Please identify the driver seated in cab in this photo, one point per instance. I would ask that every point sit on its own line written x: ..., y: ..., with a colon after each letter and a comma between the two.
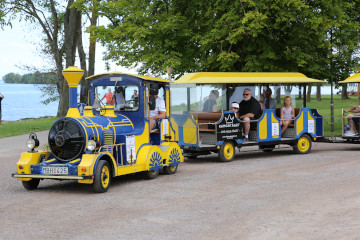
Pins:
x: 159, y: 111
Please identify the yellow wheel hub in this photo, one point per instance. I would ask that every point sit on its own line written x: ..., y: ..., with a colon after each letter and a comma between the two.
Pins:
x: 172, y: 168
x: 303, y: 144
x: 105, y: 176
x: 152, y: 172
x: 228, y: 151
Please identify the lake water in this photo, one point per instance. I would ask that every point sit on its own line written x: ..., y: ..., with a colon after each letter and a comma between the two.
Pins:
x: 24, y: 101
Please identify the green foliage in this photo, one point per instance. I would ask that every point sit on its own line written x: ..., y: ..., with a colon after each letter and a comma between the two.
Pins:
x: 8, y: 129
x: 31, y: 78
x: 227, y: 35
x: 12, y: 78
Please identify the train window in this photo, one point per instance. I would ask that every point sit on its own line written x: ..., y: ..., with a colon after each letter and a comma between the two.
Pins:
x: 123, y: 97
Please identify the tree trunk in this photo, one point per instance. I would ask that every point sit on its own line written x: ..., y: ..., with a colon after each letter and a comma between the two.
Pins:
x: 344, y: 92
x: 82, y: 56
x: 278, y: 96
x: 72, y: 30
x: 318, y: 92
x: 300, y: 93
x: 308, y: 94
x: 85, y: 85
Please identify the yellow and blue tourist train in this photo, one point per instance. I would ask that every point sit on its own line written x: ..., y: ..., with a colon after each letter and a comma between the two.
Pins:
x: 94, y: 143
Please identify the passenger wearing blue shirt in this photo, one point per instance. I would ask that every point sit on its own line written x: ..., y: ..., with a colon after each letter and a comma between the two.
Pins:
x: 210, y: 104
x: 272, y: 104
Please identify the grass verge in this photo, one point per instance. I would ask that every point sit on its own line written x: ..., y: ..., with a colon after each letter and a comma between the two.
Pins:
x: 8, y: 129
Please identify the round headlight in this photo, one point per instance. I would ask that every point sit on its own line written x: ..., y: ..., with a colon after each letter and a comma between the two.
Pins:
x: 30, y: 143
x: 91, y: 145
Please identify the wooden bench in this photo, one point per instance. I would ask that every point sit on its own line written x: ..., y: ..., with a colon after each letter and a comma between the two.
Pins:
x: 206, y: 117
x: 277, y: 113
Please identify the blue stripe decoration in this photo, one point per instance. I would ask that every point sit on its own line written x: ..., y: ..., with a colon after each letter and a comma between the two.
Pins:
x: 155, y: 161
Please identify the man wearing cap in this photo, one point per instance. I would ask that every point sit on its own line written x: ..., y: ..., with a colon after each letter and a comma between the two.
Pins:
x: 250, y: 110
x: 160, y: 110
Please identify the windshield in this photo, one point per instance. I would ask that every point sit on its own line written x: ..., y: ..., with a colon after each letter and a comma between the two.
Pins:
x: 123, y: 98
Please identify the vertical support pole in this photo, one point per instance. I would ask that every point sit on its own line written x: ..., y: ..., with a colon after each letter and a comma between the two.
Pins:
x: 188, y: 99
x: 331, y: 81
x: 267, y: 97
x: 304, y: 96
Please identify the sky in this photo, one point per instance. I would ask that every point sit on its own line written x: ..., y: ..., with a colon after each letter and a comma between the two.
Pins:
x: 19, y: 47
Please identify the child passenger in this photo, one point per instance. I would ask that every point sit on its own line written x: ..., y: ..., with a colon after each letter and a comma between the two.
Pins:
x: 235, y: 108
x: 287, y: 114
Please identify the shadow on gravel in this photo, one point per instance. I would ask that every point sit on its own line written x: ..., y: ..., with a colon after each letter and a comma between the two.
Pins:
x: 244, y: 156
x: 72, y: 187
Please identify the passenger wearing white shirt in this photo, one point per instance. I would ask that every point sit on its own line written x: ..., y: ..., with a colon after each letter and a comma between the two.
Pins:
x: 160, y: 110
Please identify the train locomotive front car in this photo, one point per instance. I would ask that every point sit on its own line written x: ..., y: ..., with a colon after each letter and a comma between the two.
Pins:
x: 100, y: 142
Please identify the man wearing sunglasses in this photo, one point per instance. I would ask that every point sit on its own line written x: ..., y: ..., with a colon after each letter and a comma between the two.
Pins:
x: 249, y: 112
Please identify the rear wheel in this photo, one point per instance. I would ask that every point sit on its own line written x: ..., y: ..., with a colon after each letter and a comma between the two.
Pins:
x: 170, y: 169
x: 226, y: 152
x: 303, y: 144
x: 102, y: 177
x: 151, y: 174
x: 32, y: 184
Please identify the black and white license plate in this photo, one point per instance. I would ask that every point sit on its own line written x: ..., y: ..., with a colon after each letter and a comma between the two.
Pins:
x: 54, y: 170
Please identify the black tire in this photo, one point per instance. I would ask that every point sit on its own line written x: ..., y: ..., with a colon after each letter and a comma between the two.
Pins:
x: 303, y: 144
x: 191, y: 156
x: 151, y: 174
x: 170, y: 169
x: 267, y: 148
x: 32, y: 184
x: 102, y: 177
x: 226, y: 152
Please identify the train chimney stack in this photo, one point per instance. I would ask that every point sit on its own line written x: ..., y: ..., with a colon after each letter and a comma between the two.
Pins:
x: 73, y: 76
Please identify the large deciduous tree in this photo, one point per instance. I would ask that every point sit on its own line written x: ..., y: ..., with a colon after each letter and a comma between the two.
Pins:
x: 228, y: 35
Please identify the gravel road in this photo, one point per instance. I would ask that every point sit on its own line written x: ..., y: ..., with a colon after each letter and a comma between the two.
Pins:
x: 277, y: 195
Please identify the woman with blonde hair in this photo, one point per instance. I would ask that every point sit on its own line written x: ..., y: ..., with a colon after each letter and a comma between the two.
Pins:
x: 287, y: 113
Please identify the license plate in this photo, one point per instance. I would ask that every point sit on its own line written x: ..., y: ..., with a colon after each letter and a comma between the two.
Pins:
x: 54, y: 170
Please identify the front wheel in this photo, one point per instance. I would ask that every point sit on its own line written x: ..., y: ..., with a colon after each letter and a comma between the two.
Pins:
x: 102, y: 177
x: 32, y: 184
x: 303, y: 144
x: 226, y: 152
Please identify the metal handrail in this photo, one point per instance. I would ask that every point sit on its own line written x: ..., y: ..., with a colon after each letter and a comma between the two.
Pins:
x: 112, y: 152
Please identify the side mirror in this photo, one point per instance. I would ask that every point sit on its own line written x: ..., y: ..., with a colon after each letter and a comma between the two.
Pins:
x: 152, y: 102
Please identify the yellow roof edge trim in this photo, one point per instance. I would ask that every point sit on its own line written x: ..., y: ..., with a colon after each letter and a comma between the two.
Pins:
x: 90, y: 78
x: 352, y: 79
x: 245, y: 77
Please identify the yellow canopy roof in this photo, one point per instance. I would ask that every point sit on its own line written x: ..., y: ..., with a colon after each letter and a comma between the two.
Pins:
x: 126, y: 74
x: 245, y: 78
x: 352, y: 79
